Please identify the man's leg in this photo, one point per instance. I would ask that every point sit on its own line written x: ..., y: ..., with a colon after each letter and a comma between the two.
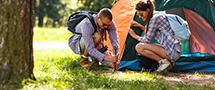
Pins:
x: 84, y: 58
x: 97, y: 40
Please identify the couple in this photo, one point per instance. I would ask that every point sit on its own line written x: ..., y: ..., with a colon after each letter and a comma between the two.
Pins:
x: 89, y: 42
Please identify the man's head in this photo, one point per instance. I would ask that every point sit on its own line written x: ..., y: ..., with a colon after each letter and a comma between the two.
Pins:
x: 104, y: 18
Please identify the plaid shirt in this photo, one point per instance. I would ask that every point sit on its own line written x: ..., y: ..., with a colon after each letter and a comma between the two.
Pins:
x: 159, y: 21
x: 86, y: 29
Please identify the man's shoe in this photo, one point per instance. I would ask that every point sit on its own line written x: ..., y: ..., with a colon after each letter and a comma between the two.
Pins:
x: 95, y: 61
x: 163, y: 64
x: 84, y: 62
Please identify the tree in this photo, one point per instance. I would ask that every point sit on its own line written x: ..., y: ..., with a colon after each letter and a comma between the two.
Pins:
x: 16, y: 38
x: 51, y: 8
x: 54, y: 7
x: 40, y: 11
x: 96, y: 5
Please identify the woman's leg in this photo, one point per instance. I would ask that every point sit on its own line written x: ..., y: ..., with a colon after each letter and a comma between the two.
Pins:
x: 153, y: 51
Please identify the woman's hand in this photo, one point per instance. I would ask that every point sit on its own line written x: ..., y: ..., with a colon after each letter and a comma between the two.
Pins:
x: 136, y: 24
x: 133, y: 34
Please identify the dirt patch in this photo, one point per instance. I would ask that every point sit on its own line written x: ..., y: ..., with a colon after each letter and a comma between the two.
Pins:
x: 190, y: 78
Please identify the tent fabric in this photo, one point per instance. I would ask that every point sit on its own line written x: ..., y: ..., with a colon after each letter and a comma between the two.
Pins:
x: 201, y: 7
x: 203, y: 66
x: 203, y: 35
x: 123, y: 13
x: 135, y: 65
x: 131, y: 42
x: 197, y: 53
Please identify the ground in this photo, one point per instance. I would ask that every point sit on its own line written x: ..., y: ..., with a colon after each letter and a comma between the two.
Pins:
x: 204, y: 78
x: 191, y: 78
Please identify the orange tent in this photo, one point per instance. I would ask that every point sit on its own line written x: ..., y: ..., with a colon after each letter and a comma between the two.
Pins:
x: 123, y: 13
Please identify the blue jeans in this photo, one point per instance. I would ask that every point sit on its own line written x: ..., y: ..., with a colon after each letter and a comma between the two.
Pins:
x: 176, y: 53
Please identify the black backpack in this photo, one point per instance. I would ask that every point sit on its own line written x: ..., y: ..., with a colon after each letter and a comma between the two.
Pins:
x: 76, y: 18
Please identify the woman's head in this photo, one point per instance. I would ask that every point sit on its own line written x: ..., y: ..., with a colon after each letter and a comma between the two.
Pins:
x: 145, y: 10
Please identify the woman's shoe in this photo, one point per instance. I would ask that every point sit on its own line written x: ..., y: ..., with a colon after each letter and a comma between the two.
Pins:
x: 163, y: 64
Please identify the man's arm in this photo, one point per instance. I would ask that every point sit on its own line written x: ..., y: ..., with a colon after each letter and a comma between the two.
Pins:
x: 113, y: 36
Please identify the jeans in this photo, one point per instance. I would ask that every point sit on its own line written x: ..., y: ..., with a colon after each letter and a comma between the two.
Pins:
x: 176, y: 53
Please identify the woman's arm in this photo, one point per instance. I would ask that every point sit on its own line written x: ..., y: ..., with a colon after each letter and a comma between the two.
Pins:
x: 133, y: 34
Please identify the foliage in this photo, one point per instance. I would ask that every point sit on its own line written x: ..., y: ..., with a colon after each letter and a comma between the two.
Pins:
x: 51, y: 8
x: 96, y: 5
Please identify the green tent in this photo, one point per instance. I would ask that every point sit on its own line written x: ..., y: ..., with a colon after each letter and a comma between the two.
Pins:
x: 198, y: 53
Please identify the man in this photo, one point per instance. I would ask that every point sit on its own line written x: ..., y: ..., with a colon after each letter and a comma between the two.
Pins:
x: 88, y: 43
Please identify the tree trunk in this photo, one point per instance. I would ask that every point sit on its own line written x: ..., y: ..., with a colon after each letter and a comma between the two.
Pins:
x: 16, y: 38
x: 40, y: 19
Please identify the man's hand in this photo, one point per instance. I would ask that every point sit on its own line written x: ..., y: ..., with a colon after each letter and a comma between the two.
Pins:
x: 112, y: 59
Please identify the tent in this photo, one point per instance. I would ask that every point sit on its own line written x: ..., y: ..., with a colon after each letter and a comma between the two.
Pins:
x: 198, y: 53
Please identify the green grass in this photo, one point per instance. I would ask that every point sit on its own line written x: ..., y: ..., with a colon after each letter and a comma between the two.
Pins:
x: 51, y: 34
x: 59, y: 69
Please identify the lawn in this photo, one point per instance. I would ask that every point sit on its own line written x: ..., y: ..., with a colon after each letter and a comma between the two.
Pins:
x: 59, y: 69
x: 42, y: 35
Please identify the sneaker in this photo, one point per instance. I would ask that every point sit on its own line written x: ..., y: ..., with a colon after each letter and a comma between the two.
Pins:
x: 84, y: 62
x: 163, y: 64
x: 95, y: 61
x: 171, y: 66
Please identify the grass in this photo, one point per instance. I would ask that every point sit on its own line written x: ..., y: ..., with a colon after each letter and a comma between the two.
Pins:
x: 59, y: 69
x: 51, y: 34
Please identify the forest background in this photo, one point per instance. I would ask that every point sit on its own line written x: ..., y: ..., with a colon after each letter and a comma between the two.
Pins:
x: 54, y: 13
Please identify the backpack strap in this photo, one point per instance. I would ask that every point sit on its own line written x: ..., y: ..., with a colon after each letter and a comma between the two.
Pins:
x: 92, y: 21
x: 164, y: 33
x: 90, y: 17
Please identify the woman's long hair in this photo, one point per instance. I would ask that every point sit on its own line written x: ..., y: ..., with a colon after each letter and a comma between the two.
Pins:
x: 143, y: 6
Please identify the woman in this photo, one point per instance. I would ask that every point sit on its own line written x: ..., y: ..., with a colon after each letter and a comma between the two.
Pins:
x: 163, y: 53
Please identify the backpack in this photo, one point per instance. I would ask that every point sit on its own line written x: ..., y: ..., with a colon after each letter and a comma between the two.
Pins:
x: 148, y: 64
x: 77, y: 17
x: 179, y: 26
